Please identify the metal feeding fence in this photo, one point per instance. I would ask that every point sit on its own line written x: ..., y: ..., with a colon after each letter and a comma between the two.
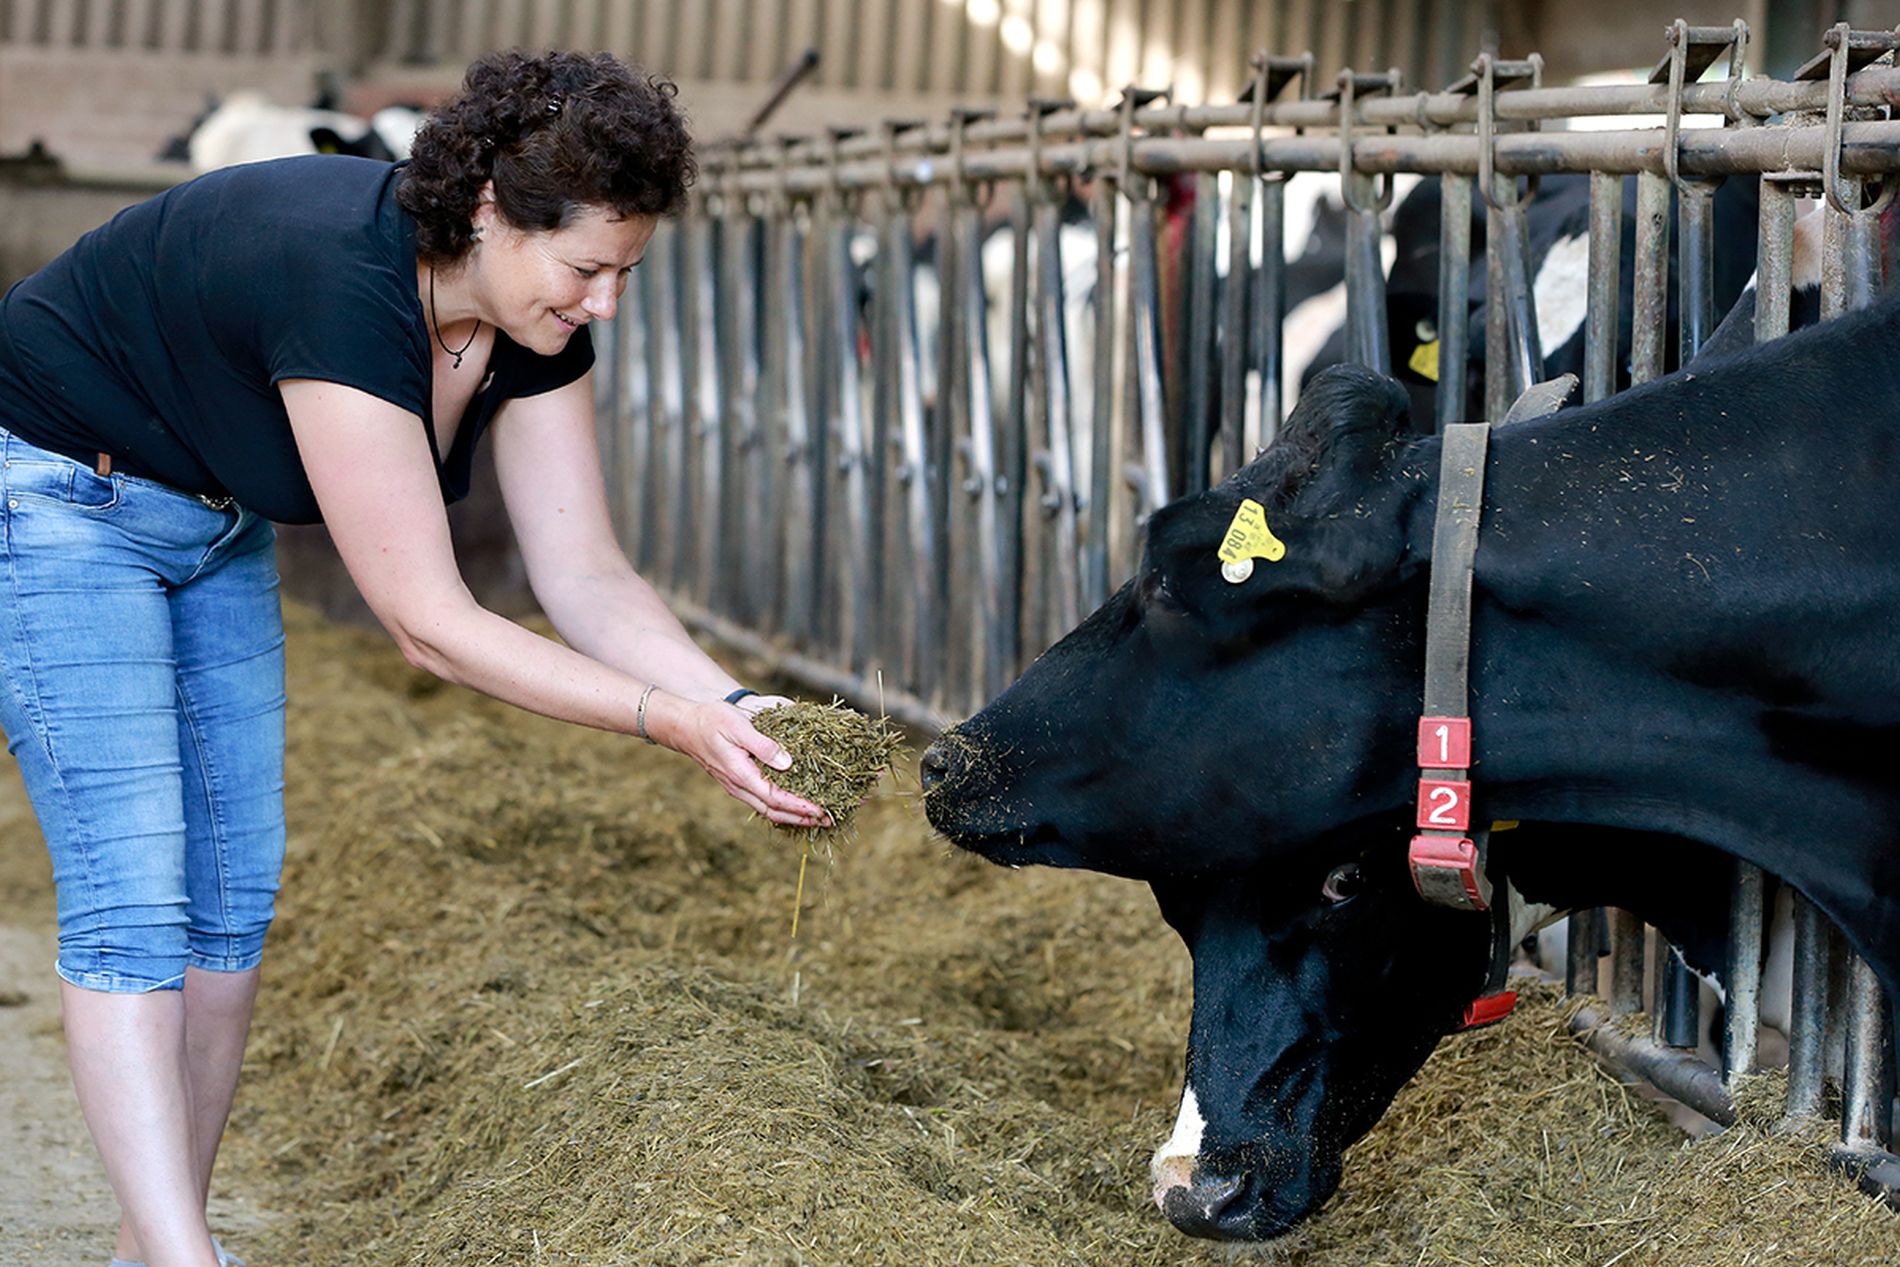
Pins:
x: 862, y: 421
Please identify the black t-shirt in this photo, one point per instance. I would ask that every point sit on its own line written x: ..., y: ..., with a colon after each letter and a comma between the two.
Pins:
x: 160, y: 336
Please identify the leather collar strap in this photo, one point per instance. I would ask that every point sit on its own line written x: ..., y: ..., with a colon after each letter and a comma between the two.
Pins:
x: 1447, y: 857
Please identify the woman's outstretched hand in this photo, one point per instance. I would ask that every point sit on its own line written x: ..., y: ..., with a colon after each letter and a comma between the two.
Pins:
x: 721, y: 737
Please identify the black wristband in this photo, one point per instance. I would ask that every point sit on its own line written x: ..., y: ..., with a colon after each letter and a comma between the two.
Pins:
x: 740, y: 694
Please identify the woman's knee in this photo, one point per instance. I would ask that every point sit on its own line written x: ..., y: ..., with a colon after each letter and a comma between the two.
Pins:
x: 131, y: 950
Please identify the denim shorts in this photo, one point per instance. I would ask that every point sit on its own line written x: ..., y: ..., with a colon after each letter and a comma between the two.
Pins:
x: 142, y: 652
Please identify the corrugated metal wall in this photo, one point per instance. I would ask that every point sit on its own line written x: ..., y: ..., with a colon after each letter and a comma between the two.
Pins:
x: 1006, y: 49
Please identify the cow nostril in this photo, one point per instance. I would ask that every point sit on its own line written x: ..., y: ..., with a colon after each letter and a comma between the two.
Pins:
x: 1212, y: 1207
x: 935, y: 767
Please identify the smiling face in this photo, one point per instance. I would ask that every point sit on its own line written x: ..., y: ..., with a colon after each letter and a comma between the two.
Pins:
x: 539, y: 286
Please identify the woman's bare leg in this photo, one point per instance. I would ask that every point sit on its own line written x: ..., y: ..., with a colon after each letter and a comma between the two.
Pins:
x: 127, y: 1053
x: 217, y: 1025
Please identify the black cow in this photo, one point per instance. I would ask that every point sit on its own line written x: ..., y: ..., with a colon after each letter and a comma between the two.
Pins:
x: 1686, y: 645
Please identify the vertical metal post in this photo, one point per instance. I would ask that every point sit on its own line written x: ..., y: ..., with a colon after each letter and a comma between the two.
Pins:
x: 1199, y: 347
x: 1105, y: 208
x: 1013, y: 450
x: 1774, y: 261
x: 1695, y: 269
x: 1808, y: 1022
x: 1054, y: 456
x: 1580, y: 958
x: 1603, y: 331
x: 1867, y: 1071
x: 1743, y: 1012
x: 1626, y: 963
x: 1649, y: 298
x: 1454, y: 296
x: 1269, y: 307
x: 1234, y: 349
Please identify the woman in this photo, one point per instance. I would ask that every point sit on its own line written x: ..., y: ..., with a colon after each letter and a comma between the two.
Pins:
x: 319, y: 337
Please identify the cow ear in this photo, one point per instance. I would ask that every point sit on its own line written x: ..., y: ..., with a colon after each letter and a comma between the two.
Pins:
x: 1337, y: 438
x: 1328, y: 479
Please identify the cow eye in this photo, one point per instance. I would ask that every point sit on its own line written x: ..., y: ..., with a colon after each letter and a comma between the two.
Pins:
x: 1426, y: 331
x: 1343, y: 883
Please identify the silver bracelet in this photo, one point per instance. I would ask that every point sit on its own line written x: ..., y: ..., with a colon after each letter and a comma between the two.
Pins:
x: 640, y: 714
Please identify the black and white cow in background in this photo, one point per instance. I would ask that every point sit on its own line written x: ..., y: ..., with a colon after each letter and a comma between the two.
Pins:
x: 1685, y: 647
x: 247, y: 127
x: 1558, y: 222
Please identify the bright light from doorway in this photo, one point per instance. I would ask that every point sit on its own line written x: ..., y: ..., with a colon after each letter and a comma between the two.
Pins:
x: 1017, y: 34
x: 985, y: 12
x: 1047, y: 58
x: 1085, y: 85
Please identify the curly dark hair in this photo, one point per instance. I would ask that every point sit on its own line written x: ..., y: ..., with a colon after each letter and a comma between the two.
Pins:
x: 556, y: 132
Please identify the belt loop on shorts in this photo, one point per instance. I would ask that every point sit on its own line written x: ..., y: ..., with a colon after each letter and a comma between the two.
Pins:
x: 103, y: 465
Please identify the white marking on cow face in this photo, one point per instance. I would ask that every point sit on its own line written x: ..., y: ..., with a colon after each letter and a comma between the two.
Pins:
x: 1173, y: 1163
x: 1304, y: 336
x: 1562, y: 291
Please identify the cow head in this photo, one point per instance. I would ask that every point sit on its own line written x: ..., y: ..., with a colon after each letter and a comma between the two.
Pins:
x: 1134, y: 745
x: 1245, y: 749
x: 1321, y: 983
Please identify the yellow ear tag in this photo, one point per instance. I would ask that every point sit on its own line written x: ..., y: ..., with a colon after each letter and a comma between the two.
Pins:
x: 1424, y: 362
x: 1248, y: 538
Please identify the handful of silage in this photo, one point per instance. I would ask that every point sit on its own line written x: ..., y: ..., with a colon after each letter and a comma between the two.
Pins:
x: 837, y: 753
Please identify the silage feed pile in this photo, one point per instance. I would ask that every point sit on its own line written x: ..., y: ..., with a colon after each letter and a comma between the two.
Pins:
x: 532, y: 999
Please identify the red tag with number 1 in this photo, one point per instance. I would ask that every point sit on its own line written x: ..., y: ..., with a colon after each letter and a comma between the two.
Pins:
x: 1444, y: 743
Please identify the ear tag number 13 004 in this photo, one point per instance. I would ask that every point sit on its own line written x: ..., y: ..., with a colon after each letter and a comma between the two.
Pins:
x: 1248, y: 538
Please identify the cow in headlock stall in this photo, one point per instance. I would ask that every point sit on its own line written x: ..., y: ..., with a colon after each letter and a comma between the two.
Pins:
x: 1557, y: 223
x: 1684, y: 648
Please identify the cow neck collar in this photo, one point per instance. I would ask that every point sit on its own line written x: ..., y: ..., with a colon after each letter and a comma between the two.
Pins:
x: 1449, y: 857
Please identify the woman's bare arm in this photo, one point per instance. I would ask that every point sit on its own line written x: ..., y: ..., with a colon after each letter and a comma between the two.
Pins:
x: 370, y: 467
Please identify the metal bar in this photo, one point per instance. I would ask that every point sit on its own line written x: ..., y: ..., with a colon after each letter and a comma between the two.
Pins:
x: 1649, y: 299
x: 1774, y: 261
x: 1678, y: 1011
x: 1602, y: 333
x: 1867, y: 1073
x: 1679, y: 1074
x: 1055, y: 455
x: 1367, y: 341
x: 1198, y: 348
x: 1454, y: 296
x: 1497, y: 317
x: 850, y: 432
x: 1269, y: 307
x: 1105, y: 207
x: 1148, y: 472
x: 1808, y: 1022
x: 993, y: 608
x: 1695, y: 268
x: 797, y: 543
x: 1760, y: 97
x: 1580, y: 958
x: 921, y: 555
x: 1868, y: 148
x: 1234, y: 345
x: 1013, y: 451
x: 1743, y: 1004
x: 1626, y: 963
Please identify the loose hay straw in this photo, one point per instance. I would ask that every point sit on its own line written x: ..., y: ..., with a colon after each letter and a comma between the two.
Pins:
x: 978, y: 1067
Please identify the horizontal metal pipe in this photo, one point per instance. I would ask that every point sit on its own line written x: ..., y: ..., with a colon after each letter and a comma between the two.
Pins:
x: 1760, y: 97
x: 1878, y: 1173
x: 860, y: 692
x: 1676, y: 1073
x: 1867, y: 148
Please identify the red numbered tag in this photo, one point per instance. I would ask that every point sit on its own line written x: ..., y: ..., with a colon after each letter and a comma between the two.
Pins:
x: 1444, y: 804
x: 1444, y: 743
